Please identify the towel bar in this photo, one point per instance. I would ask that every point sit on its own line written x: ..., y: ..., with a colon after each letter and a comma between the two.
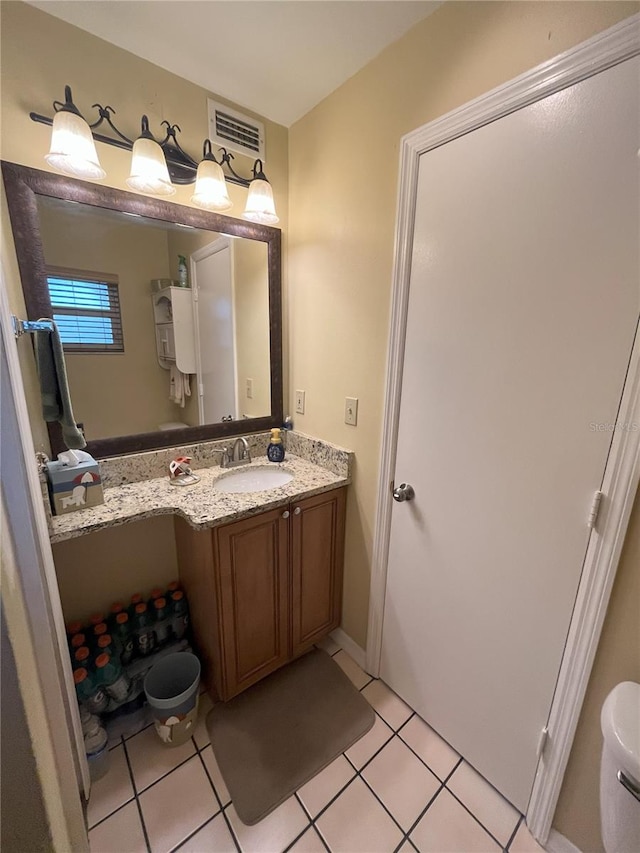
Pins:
x: 23, y: 327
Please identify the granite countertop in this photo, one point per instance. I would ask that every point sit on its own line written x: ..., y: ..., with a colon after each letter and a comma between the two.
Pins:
x: 200, y: 504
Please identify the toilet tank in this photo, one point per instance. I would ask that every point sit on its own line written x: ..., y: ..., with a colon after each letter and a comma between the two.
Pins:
x: 620, y: 769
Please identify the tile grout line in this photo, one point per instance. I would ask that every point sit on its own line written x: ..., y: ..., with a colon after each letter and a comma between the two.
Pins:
x: 218, y: 797
x: 215, y: 794
x: 311, y: 825
x: 419, y: 818
x: 396, y: 732
x: 362, y: 779
x: 195, y: 832
x: 441, y: 787
x: 475, y: 817
x: 312, y: 821
x: 169, y: 772
x: 514, y: 833
x: 135, y: 793
x: 121, y: 806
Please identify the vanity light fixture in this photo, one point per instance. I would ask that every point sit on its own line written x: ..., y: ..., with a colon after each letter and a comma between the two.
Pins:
x: 73, y: 150
x: 156, y: 165
x: 210, y: 191
x: 260, y: 206
x: 149, y: 173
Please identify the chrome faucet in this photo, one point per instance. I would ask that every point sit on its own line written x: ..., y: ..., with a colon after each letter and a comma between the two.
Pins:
x: 240, y: 455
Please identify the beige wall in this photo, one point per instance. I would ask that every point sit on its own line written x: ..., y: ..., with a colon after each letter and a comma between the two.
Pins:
x: 251, y: 295
x: 343, y: 183
x: 343, y: 178
x: 39, y: 55
x: 617, y: 659
x: 110, y: 565
x: 115, y: 393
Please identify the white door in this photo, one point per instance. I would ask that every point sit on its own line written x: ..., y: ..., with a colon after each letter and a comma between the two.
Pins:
x: 212, y: 281
x: 522, y: 312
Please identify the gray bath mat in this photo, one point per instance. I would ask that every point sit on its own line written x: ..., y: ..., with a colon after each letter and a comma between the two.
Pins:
x: 279, y: 733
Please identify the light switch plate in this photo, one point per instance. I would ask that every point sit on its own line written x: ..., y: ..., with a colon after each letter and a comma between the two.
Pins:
x: 249, y: 389
x: 351, y: 411
x: 300, y: 402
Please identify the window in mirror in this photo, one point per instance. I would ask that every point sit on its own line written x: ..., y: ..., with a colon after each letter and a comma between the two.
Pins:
x: 86, y: 309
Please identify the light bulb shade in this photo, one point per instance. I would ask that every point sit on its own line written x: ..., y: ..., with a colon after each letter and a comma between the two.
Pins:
x: 73, y: 150
x: 149, y: 173
x: 260, y: 206
x: 211, y: 188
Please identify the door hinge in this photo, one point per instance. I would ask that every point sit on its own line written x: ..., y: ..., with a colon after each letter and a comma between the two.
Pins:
x: 542, y: 741
x: 595, y: 509
x: 200, y: 389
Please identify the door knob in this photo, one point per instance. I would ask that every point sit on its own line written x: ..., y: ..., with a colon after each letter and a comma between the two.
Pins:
x: 285, y: 514
x: 297, y: 511
x: 404, y: 492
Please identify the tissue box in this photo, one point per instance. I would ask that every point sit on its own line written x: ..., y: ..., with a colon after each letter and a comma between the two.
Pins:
x: 73, y: 487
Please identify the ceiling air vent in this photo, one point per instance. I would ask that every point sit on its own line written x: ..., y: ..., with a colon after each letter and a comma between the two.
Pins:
x: 235, y: 131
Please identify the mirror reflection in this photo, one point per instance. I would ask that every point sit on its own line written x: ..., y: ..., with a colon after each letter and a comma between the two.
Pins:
x: 143, y: 351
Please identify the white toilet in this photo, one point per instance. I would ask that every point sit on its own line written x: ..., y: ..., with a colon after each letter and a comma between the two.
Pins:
x: 620, y: 769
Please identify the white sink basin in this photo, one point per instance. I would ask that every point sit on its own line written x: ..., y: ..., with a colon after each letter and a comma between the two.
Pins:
x: 257, y: 479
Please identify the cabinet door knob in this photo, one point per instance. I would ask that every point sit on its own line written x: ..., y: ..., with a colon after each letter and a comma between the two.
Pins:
x: 297, y: 511
x: 285, y: 514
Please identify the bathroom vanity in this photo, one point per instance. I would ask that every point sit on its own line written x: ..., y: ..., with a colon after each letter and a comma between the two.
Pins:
x: 263, y: 589
x: 262, y: 570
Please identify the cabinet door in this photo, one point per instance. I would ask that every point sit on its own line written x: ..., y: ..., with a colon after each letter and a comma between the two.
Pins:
x: 253, y: 561
x: 317, y: 537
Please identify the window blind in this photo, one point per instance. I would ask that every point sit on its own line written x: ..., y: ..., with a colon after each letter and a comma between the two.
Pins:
x: 86, y: 309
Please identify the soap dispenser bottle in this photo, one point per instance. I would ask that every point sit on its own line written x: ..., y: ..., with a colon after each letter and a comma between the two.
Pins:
x: 275, y: 450
x: 182, y: 271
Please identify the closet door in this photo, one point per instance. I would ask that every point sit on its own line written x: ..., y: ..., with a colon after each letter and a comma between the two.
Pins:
x: 522, y: 313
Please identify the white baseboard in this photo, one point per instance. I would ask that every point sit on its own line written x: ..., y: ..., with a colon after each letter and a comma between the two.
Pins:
x: 350, y: 646
x: 558, y: 843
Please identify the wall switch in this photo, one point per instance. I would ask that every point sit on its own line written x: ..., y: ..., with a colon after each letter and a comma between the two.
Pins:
x: 351, y: 411
x: 249, y: 389
x: 300, y: 402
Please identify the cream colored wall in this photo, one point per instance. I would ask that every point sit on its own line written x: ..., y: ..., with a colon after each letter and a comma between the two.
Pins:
x: 110, y: 565
x: 115, y: 393
x: 343, y: 184
x: 39, y: 54
x: 617, y: 659
x: 251, y: 293
x: 58, y: 54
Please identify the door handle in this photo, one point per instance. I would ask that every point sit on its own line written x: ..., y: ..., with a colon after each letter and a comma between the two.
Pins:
x: 404, y: 492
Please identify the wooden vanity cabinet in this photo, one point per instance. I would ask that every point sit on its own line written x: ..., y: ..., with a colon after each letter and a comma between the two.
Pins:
x: 264, y: 589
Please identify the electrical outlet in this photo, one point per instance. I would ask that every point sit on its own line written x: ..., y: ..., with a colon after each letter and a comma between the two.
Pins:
x: 300, y: 402
x: 351, y: 411
x: 249, y: 389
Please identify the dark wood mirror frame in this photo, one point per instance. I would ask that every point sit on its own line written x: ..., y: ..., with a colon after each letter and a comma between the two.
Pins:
x: 23, y: 186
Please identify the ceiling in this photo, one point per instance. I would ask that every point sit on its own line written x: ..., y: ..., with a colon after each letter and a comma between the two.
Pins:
x: 278, y: 58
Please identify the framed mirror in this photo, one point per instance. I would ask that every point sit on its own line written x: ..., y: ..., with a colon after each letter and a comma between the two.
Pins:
x: 163, y: 364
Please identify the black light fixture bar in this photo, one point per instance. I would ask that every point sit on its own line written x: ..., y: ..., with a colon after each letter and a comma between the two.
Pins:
x: 182, y: 167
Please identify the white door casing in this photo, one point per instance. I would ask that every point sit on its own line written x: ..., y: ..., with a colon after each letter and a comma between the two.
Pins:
x: 622, y: 474
x: 212, y: 278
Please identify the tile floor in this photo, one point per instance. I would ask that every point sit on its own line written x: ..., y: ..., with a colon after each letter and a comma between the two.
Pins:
x: 399, y: 788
